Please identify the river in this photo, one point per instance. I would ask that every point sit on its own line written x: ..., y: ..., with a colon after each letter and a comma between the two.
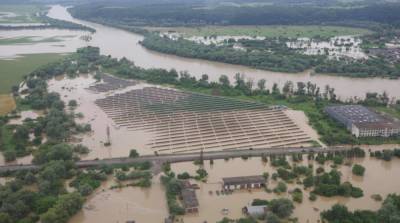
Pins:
x: 119, y: 43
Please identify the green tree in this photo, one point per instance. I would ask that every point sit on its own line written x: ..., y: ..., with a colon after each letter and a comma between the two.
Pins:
x: 358, y: 170
x: 282, y: 207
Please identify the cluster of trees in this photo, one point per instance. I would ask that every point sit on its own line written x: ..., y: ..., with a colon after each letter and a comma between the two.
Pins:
x: 389, y: 212
x: 173, y: 189
x: 385, y: 154
x: 371, y: 67
x: 198, y: 13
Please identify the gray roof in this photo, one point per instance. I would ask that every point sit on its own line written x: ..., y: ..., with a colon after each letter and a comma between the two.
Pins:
x: 355, y: 113
x: 256, y: 210
x: 244, y: 179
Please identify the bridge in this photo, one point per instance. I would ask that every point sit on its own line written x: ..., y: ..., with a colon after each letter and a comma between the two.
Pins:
x: 185, y: 157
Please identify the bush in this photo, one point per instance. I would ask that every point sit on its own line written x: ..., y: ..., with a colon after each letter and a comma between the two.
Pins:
x: 358, y: 170
x: 133, y: 153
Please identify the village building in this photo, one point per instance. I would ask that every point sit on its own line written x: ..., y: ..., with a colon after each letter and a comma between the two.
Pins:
x: 244, y: 182
x: 362, y: 122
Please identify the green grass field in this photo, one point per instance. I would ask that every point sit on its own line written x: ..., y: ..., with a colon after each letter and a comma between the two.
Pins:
x: 12, y: 71
x: 268, y: 31
x: 21, y: 13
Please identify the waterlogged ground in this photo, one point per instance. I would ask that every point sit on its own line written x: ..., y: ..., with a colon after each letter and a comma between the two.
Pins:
x: 122, y: 140
x: 149, y: 205
x: 17, y: 42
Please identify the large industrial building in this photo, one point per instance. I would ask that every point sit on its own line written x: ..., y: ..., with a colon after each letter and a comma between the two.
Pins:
x: 362, y: 122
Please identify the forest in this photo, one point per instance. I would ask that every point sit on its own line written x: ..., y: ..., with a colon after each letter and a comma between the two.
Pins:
x: 170, y: 14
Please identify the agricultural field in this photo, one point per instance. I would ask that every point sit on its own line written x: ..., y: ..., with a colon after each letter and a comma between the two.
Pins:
x: 20, y: 13
x: 267, y: 31
x: 12, y: 72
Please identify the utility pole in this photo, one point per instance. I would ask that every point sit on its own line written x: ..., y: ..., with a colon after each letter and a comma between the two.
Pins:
x: 201, y: 157
x: 108, y: 143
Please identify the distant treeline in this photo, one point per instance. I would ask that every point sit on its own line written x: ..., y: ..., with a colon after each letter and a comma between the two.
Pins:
x: 198, y: 14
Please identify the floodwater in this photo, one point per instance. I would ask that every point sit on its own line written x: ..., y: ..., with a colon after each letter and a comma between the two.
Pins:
x: 122, y: 140
x: 60, y: 41
x: 149, y: 205
x: 119, y: 43
x: 126, y: 204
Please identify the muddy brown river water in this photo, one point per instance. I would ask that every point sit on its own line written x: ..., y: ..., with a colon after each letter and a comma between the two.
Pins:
x: 120, y: 43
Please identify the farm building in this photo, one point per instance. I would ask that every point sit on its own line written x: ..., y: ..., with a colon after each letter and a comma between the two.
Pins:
x: 244, y: 182
x: 362, y: 122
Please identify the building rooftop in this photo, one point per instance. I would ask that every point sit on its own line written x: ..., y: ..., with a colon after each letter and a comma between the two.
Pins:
x: 189, y: 198
x: 244, y: 179
x: 355, y: 113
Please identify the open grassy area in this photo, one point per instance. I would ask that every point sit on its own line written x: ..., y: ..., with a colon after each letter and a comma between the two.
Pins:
x: 13, y: 71
x: 268, y: 31
x: 20, y: 13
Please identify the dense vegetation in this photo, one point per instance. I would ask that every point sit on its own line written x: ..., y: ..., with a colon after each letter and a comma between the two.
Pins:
x: 169, y: 14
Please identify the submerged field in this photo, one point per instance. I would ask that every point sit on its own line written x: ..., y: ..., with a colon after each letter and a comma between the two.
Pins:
x: 20, y: 13
x: 268, y: 31
x: 30, y: 40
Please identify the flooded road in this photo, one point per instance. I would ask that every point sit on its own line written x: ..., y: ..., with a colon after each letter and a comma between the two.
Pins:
x: 149, y: 205
x: 119, y: 43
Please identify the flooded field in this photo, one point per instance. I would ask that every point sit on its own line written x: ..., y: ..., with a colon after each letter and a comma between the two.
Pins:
x: 189, y: 122
x: 149, y: 205
x: 147, y: 130
x: 19, y: 42
x: 126, y: 204
x: 335, y: 48
x: 122, y: 140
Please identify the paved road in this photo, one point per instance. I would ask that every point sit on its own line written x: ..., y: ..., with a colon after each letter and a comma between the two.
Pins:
x: 175, y: 158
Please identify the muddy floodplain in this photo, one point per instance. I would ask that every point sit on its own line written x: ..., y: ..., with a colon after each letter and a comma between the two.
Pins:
x: 149, y: 205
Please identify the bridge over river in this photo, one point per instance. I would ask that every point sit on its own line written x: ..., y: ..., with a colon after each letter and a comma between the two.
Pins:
x: 184, y: 157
